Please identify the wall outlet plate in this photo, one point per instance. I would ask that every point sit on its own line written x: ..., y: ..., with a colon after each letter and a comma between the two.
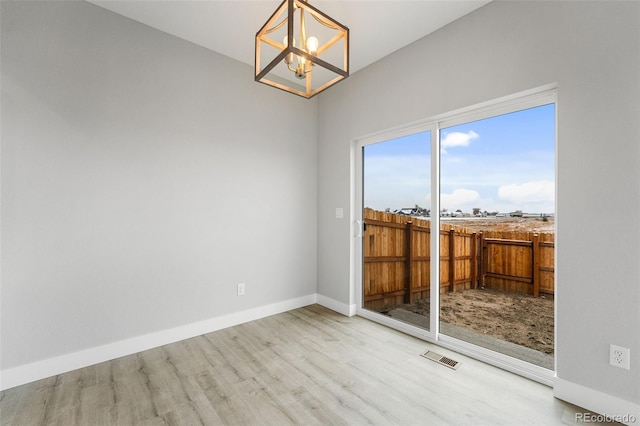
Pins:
x: 620, y: 357
x: 241, y: 289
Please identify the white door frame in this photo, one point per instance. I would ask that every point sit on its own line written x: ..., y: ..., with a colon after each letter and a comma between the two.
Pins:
x: 527, y: 99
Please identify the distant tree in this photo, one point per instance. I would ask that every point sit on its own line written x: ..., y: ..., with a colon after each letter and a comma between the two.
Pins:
x: 387, y: 210
x: 476, y: 211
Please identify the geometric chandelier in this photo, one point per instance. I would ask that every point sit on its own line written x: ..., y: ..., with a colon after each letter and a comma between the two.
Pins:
x: 305, y: 51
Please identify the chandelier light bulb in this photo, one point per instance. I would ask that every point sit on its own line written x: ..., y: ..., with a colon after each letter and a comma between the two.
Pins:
x: 312, y: 45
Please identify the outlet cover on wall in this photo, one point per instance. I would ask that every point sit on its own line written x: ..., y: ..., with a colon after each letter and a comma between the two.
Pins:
x: 241, y: 289
x: 620, y: 357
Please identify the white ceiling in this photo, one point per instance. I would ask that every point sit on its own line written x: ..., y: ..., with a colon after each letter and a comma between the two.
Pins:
x: 377, y: 28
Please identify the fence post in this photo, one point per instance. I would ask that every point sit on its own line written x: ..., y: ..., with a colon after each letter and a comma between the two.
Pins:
x: 408, y: 252
x: 483, y: 260
x: 474, y: 260
x: 535, y: 249
x: 452, y: 259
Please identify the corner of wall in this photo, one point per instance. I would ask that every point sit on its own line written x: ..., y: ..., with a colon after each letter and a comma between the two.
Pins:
x: 342, y: 308
x: 608, y: 407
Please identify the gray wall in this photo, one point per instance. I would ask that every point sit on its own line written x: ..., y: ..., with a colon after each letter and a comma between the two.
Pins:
x: 592, y: 51
x: 142, y: 178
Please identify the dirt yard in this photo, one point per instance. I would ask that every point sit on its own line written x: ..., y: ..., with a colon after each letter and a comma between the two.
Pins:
x: 533, y: 224
x: 517, y: 318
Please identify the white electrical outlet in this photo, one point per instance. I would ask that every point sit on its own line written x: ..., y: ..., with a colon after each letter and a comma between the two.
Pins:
x: 241, y: 289
x: 620, y: 357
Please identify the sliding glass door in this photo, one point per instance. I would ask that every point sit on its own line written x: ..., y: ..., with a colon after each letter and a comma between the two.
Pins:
x: 457, y: 229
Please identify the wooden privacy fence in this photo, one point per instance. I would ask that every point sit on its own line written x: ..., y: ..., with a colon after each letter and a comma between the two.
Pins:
x: 397, y: 260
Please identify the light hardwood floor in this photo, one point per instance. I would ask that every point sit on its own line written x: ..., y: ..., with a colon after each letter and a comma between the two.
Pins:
x: 309, y: 366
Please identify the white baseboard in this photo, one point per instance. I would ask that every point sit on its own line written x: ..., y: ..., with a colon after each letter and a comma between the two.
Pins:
x: 334, y: 305
x: 611, y: 407
x: 53, y: 366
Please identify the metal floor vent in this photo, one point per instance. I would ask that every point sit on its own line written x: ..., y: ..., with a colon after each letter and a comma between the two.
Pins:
x: 441, y: 359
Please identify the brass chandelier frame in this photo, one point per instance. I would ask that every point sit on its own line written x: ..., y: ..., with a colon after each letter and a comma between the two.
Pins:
x: 307, y: 60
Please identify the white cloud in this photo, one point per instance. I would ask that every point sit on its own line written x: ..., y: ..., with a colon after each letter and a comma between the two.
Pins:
x: 533, y: 197
x: 463, y: 199
x: 457, y: 139
x: 529, y: 192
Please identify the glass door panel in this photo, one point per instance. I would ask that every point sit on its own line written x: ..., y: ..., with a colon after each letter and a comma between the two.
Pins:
x: 396, y: 232
x: 497, y: 202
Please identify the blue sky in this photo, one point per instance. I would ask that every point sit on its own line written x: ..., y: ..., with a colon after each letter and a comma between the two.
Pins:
x: 503, y: 163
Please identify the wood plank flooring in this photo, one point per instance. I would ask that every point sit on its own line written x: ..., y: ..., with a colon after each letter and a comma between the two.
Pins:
x: 309, y: 366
